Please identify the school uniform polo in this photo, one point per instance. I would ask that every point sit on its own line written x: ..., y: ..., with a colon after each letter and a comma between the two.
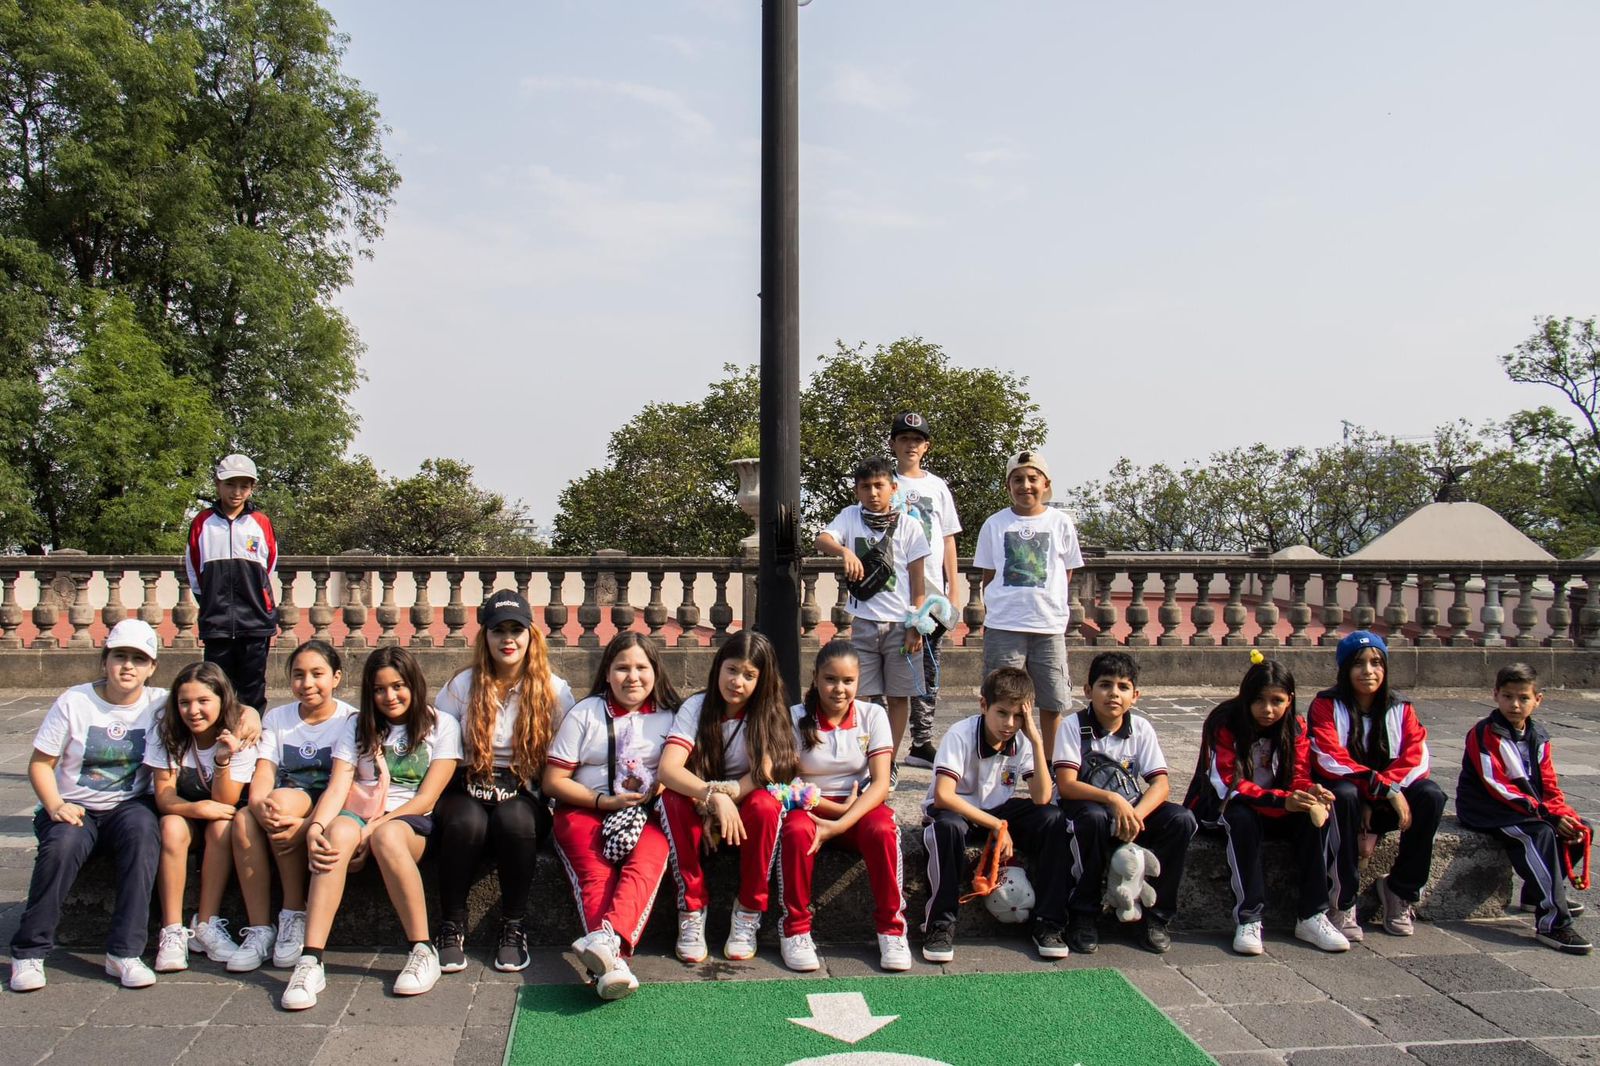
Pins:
x: 582, y: 743
x: 844, y: 751
x: 985, y: 777
x: 685, y: 734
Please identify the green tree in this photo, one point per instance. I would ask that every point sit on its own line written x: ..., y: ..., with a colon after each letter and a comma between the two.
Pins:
x: 1563, y: 354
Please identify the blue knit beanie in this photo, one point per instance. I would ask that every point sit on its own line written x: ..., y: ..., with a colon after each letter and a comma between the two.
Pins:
x: 1358, y: 641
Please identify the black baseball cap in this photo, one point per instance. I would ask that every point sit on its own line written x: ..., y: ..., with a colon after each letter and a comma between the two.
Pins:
x: 505, y: 606
x: 909, y: 422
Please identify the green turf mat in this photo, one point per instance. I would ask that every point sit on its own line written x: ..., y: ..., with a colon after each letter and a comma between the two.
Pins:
x: 1066, y: 1017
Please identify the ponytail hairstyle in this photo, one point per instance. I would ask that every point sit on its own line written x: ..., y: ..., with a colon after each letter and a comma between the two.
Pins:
x: 1378, y: 756
x: 834, y: 649
x: 372, y: 726
x: 318, y: 646
x: 664, y: 697
x: 1235, y: 715
x: 174, y: 733
x: 486, y: 698
x: 768, y: 731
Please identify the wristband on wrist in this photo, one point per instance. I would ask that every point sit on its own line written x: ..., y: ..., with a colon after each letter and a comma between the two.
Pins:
x: 597, y: 799
x: 319, y: 825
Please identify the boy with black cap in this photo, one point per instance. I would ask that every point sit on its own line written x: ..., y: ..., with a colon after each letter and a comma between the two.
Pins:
x: 231, y: 558
x: 936, y: 507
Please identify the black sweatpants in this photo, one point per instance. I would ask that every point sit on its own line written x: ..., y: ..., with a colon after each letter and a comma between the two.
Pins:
x: 244, y: 660
x: 1167, y: 832
x: 1246, y: 828
x: 1039, y: 833
x: 1535, y: 850
x: 1415, y: 859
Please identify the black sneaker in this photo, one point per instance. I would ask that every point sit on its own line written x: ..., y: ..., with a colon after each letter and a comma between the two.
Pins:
x: 922, y: 755
x: 513, y: 951
x: 1047, y: 938
x: 1153, y: 935
x: 1083, y: 935
x: 1531, y: 906
x: 940, y: 943
x: 1566, y: 938
x: 451, y: 945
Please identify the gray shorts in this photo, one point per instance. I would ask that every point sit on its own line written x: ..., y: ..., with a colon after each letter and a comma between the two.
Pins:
x: 886, y: 669
x: 1043, y: 655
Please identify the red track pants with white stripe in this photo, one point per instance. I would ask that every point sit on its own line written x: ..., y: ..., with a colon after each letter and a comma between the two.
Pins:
x: 761, y: 814
x: 621, y: 893
x: 876, y: 838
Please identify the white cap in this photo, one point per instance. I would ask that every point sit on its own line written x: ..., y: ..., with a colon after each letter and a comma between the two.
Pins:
x: 135, y: 634
x: 236, y: 466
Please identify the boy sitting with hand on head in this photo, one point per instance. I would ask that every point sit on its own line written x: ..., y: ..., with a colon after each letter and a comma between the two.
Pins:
x: 890, y: 654
x: 978, y: 773
x: 1102, y: 803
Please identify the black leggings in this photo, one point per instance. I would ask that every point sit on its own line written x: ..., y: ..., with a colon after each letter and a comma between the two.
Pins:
x: 464, y: 826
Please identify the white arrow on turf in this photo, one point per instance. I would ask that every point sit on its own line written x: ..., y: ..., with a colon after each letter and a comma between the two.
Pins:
x: 843, y: 1016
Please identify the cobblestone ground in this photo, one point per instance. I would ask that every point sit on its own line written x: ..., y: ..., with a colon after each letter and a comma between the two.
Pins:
x: 1456, y: 993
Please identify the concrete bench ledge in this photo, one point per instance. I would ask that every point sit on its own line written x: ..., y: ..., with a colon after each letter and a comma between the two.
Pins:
x: 1471, y: 879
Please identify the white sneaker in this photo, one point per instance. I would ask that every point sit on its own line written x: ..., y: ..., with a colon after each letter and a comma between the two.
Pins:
x: 1348, y: 923
x: 1247, y: 938
x: 600, y: 951
x: 291, y: 938
x: 27, y: 975
x: 799, y: 952
x: 420, y: 973
x: 692, y: 936
x: 304, y: 984
x: 741, y: 943
x: 254, y: 949
x: 132, y: 972
x: 617, y: 983
x: 172, y: 949
x: 212, y: 938
x: 894, y: 953
x: 1317, y: 930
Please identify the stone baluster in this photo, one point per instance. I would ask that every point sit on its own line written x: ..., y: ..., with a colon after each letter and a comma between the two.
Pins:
x: 1267, y: 611
x: 10, y: 611
x: 688, y: 611
x: 655, y: 612
x: 976, y: 610
x: 114, y: 611
x: 810, y: 611
x: 838, y: 613
x: 80, y: 615
x: 1138, y: 615
x: 47, y: 611
x: 721, y: 610
x: 1075, y: 614
x: 621, y: 609
x: 288, y: 609
x: 1395, y: 615
x: 184, y: 616
x: 1105, y: 609
x: 1233, y: 612
x: 1332, y: 613
x: 589, y: 610
x: 524, y: 581
x: 1460, y: 614
x: 1299, y: 612
x: 1492, y: 613
x: 1203, y: 615
x: 421, y: 610
x: 354, y: 609
x: 321, y: 607
x: 555, y: 611
x: 1589, y: 615
x: 1526, y: 616
x: 388, y: 607
x: 150, y: 604
x: 1427, y: 613
x: 455, y: 611
x: 1558, y: 617
x: 1169, y: 615
x: 1364, y: 614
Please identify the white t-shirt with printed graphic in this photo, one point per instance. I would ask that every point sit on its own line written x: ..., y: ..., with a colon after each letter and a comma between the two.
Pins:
x: 99, y: 748
x: 1030, y: 556
x: 984, y: 777
x: 893, y: 601
x: 198, y: 769
x: 452, y: 700
x: 936, y: 509
x: 842, y: 755
x: 581, y: 744
x: 1134, y: 745
x: 408, y: 764
x: 302, y: 753
x: 686, y: 729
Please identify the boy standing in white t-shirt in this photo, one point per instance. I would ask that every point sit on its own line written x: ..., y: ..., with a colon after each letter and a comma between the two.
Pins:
x: 891, y: 654
x: 936, y: 508
x: 1027, y: 553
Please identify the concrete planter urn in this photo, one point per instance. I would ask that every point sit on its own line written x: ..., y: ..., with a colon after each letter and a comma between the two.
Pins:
x: 749, y: 494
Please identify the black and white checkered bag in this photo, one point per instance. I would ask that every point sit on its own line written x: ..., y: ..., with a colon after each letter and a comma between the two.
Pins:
x: 621, y: 830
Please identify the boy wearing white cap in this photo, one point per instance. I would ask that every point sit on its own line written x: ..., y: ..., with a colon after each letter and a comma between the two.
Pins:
x: 231, y: 558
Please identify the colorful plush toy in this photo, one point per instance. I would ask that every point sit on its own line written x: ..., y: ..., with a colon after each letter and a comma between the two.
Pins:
x: 796, y: 795
x: 1128, y: 889
x: 935, y: 611
x: 634, y: 775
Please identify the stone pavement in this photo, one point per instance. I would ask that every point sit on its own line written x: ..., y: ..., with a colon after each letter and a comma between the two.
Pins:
x: 1457, y: 992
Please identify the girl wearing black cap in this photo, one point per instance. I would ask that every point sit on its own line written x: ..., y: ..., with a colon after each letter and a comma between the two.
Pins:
x: 509, y: 705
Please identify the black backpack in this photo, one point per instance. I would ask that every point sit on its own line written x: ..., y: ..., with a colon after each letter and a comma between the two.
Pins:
x: 1098, y: 770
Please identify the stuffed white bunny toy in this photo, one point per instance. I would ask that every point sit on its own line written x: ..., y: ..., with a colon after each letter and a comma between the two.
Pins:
x: 1128, y: 889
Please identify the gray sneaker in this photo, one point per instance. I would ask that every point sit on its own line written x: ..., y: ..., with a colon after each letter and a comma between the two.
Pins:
x: 1397, y: 913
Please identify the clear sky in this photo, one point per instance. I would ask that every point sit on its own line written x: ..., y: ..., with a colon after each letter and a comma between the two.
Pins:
x: 1191, y: 226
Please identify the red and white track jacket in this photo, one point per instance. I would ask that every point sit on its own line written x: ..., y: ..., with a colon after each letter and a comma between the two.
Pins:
x: 230, y: 564
x: 1331, y: 722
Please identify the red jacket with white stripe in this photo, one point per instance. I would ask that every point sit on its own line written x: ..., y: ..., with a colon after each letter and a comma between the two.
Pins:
x: 230, y: 564
x: 1506, y: 779
x: 1219, y: 777
x: 1330, y: 725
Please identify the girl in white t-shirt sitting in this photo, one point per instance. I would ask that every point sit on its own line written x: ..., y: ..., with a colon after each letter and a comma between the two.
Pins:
x: 601, y: 772
x: 389, y: 768
x: 727, y: 745
x: 200, y: 768
x: 846, y: 749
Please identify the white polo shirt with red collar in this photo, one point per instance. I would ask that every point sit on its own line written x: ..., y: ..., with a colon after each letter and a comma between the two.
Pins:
x: 686, y: 731
x: 581, y: 743
x: 843, y: 751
